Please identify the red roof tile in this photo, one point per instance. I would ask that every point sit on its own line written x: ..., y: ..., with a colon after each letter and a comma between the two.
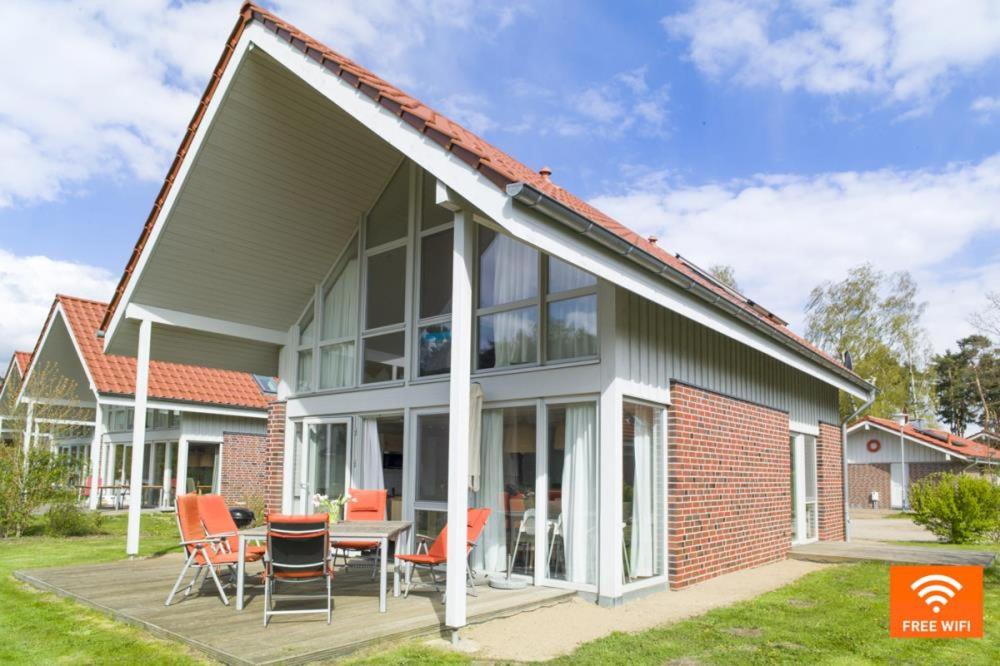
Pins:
x: 23, y: 360
x: 167, y: 381
x: 944, y: 440
x: 496, y: 165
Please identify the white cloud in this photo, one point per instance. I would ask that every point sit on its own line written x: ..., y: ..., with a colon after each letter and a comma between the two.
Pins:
x: 900, y: 49
x: 986, y: 106
x: 106, y: 88
x: 27, y: 287
x: 784, y: 234
x: 624, y: 104
x: 469, y: 110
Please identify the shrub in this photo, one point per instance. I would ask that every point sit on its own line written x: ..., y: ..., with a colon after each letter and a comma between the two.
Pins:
x: 68, y: 519
x: 956, y: 507
x: 26, y: 485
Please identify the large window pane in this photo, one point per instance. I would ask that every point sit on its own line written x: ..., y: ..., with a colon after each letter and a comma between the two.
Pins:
x: 430, y: 523
x: 306, y: 329
x: 507, y: 488
x: 572, y: 328
x: 340, y: 304
x: 386, y: 298
x: 434, y: 353
x: 336, y: 365
x: 305, y: 382
x: 573, y: 488
x: 432, y: 458
x: 508, y: 338
x: 508, y: 269
x: 435, y: 274
x: 389, y: 217
x: 643, y: 500
x: 563, y: 276
x: 327, y: 459
x: 432, y: 215
x: 384, y: 358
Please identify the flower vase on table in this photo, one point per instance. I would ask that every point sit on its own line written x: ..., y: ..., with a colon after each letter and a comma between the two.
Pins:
x: 334, y: 507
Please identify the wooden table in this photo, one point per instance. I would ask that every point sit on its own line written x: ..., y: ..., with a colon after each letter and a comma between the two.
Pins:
x: 381, y: 531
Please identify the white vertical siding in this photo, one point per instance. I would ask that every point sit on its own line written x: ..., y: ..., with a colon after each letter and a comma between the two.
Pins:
x: 194, y: 426
x: 656, y: 346
x: 889, y: 452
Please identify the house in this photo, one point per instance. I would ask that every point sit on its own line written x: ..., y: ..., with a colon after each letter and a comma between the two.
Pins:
x: 16, y: 368
x: 987, y: 437
x: 203, y: 424
x: 455, y: 327
x: 887, y: 456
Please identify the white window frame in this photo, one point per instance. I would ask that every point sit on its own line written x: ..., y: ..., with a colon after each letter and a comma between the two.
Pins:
x: 799, y: 501
x: 422, y: 322
x: 320, y: 343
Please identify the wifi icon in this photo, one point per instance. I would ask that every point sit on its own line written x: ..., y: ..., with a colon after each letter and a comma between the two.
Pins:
x: 936, y: 590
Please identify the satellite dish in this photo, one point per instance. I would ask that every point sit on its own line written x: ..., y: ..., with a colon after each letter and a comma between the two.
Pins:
x: 848, y: 361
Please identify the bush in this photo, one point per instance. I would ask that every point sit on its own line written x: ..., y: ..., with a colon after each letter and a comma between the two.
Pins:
x: 67, y: 519
x: 27, y: 484
x: 956, y: 507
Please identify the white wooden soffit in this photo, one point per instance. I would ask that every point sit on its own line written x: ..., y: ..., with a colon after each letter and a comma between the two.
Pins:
x: 472, y: 186
x: 246, y: 413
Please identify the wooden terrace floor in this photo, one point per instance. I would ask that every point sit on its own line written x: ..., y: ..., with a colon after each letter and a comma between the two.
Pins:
x: 134, y: 592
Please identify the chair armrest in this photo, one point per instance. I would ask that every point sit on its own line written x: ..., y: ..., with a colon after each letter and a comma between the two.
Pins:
x: 200, y: 543
x: 424, y: 537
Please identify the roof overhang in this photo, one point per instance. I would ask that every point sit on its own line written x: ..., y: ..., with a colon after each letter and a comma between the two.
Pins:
x: 860, y: 425
x: 612, y: 261
x: 57, y: 348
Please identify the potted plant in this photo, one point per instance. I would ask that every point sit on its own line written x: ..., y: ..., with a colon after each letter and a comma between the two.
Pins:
x: 334, y: 506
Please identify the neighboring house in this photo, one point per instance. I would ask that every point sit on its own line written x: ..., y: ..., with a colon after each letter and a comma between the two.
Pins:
x: 8, y: 391
x: 639, y: 421
x: 204, y: 425
x: 885, y: 457
x: 987, y: 437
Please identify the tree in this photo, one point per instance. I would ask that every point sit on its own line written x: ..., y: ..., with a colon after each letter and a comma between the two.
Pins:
x: 988, y: 321
x: 967, y: 384
x: 726, y: 275
x: 876, y: 317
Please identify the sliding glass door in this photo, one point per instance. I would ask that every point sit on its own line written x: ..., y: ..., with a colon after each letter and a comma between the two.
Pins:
x: 321, y: 463
x: 643, y: 491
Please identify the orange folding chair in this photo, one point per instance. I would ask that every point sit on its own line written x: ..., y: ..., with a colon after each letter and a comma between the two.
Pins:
x: 204, y: 553
x: 219, y: 523
x: 437, y: 553
x: 363, y: 505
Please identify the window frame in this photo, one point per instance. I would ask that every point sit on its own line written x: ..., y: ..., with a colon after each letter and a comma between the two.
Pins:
x: 423, y: 322
x: 319, y: 342
x: 540, y: 302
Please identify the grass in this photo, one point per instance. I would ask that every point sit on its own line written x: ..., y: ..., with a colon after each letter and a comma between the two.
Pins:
x: 836, y: 616
x: 43, y: 628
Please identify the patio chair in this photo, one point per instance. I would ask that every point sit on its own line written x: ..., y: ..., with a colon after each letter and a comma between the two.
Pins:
x: 437, y: 553
x: 298, y: 551
x: 204, y: 553
x: 219, y: 523
x: 363, y: 505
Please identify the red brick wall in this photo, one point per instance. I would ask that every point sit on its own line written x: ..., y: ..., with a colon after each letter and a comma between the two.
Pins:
x: 830, y: 482
x: 729, y: 491
x: 920, y: 470
x: 244, y: 459
x: 275, y: 456
x: 864, y: 478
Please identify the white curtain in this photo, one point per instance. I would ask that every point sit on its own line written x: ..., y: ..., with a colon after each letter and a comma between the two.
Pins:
x: 643, y: 530
x: 579, y: 494
x: 573, y: 328
x: 492, y: 553
x: 340, y: 319
x: 368, y: 470
x: 515, y: 278
x: 475, y: 441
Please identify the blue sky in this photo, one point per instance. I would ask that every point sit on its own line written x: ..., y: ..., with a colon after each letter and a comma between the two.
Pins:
x: 790, y: 140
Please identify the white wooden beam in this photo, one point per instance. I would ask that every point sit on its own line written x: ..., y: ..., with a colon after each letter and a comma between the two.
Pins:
x: 168, y: 461
x: 26, y: 444
x: 182, y: 466
x: 458, y: 424
x: 240, y: 412
x: 195, y: 322
x: 95, y: 459
x: 138, y: 437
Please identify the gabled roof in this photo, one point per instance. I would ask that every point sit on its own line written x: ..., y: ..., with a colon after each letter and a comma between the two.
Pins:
x: 497, y: 166
x: 23, y: 360
x: 115, y: 375
x: 940, y: 439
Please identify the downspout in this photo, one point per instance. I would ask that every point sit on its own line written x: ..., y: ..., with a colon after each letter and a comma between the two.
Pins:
x: 843, y: 457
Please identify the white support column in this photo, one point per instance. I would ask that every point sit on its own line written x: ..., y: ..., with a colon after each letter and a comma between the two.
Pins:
x: 168, y: 461
x: 609, y: 545
x: 182, y: 465
x: 111, y: 471
x: 458, y: 424
x: 96, y: 448
x: 138, y: 437
x: 28, y: 418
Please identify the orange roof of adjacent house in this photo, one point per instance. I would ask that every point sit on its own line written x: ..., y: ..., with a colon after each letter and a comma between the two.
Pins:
x: 939, y: 438
x: 114, y: 374
x: 496, y: 165
x: 23, y: 360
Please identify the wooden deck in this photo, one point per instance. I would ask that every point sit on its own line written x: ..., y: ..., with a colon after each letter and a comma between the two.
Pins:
x: 839, y: 551
x: 134, y: 591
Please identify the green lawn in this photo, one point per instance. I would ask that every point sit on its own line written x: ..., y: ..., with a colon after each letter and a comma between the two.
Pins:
x: 41, y: 628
